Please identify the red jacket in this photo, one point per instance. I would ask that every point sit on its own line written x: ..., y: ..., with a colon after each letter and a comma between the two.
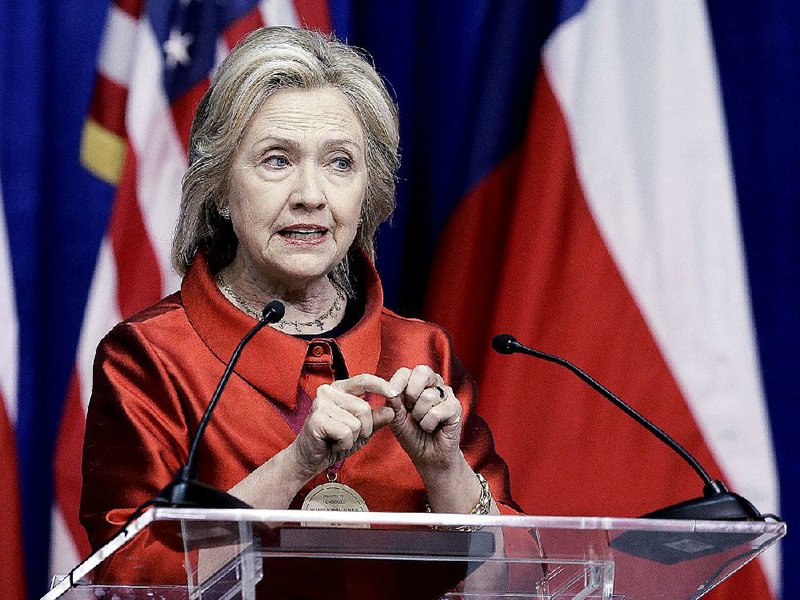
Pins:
x: 155, y: 373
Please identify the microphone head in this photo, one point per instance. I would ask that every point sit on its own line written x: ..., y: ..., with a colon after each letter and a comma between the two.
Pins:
x: 273, y: 311
x: 504, y: 343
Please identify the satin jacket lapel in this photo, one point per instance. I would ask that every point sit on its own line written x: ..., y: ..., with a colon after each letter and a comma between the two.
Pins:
x: 273, y: 360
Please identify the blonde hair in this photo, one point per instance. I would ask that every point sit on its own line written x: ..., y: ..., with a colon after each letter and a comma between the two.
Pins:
x: 265, y: 62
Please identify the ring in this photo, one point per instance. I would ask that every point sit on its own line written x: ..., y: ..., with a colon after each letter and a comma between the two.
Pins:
x: 440, y: 390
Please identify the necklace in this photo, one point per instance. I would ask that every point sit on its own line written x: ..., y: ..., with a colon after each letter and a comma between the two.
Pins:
x: 297, y: 325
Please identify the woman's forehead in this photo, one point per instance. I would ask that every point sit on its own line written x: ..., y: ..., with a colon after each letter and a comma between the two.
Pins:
x: 319, y: 113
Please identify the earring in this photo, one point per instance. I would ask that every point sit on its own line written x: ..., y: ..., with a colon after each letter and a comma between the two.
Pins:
x: 225, y: 211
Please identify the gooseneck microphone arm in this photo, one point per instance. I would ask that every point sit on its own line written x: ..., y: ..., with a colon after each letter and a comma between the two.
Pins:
x: 507, y: 344
x: 717, y: 502
x: 185, y: 490
x: 272, y: 313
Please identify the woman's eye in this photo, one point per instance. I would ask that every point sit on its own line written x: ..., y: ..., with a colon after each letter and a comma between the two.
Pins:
x: 342, y: 163
x: 277, y: 161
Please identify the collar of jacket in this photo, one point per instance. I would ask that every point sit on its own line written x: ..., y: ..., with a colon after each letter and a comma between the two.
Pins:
x: 272, y: 360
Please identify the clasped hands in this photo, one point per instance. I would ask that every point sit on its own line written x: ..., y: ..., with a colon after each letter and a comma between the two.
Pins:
x: 423, y: 413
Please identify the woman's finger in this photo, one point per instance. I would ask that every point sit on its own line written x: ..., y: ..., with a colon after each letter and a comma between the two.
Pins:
x: 339, y: 435
x: 323, y: 432
x: 422, y: 376
x: 446, y: 413
x: 381, y: 417
x: 429, y: 398
x: 324, y: 411
x: 357, y: 407
x: 399, y: 380
x: 366, y: 383
x: 397, y: 385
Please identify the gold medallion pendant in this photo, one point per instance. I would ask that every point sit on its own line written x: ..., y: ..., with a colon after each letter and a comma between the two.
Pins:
x: 334, y: 496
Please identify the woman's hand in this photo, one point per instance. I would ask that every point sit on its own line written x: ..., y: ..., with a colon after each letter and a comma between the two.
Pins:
x: 340, y: 423
x: 427, y: 424
x: 427, y: 419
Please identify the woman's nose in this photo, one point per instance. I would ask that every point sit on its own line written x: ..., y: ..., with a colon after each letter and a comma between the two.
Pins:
x: 309, y: 192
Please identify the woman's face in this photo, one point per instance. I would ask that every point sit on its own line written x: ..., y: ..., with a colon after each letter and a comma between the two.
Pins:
x: 297, y: 184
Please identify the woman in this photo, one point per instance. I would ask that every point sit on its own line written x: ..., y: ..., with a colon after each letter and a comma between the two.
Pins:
x: 292, y: 162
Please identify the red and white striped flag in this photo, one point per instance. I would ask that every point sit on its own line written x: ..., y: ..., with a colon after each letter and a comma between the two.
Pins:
x: 11, y: 563
x: 611, y: 237
x: 152, y: 71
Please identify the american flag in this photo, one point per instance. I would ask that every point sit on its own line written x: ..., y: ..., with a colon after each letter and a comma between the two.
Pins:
x: 154, y: 65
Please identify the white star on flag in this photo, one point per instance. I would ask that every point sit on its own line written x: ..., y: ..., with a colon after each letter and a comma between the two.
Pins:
x: 177, y: 48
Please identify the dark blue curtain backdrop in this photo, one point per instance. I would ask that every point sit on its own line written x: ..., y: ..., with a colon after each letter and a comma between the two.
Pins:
x: 56, y: 212
x: 758, y: 51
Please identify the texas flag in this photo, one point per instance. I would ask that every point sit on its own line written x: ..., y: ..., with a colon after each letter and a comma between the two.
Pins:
x: 608, y: 233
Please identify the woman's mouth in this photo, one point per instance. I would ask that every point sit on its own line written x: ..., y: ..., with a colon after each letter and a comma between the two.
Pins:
x: 304, y: 234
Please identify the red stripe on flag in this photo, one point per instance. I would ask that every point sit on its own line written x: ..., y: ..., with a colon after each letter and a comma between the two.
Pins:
x: 183, y: 110
x: 539, y: 268
x: 138, y: 270
x: 314, y: 14
x: 67, y: 464
x: 133, y: 7
x: 13, y: 566
x: 242, y: 26
x: 482, y: 245
x: 108, y: 105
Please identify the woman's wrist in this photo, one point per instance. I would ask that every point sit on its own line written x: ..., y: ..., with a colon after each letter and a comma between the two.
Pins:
x: 455, y: 489
x: 275, y: 483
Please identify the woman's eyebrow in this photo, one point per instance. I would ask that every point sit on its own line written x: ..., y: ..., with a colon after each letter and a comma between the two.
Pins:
x: 272, y: 139
x: 343, y: 141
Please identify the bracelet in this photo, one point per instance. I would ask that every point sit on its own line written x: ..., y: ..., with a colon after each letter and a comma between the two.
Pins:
x: 483, y: 506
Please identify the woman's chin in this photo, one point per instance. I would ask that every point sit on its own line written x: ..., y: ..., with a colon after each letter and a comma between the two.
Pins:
x: 304, y: 273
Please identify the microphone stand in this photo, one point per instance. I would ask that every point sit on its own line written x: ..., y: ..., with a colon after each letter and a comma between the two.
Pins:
x: 717, y: 503
x: 185, y: 491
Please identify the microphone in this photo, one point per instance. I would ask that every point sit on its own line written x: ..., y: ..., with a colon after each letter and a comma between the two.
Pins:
x: 184, y: 491
x: 717, y: 503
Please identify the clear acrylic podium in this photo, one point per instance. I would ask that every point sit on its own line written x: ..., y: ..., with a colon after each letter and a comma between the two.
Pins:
x: 186, y: 554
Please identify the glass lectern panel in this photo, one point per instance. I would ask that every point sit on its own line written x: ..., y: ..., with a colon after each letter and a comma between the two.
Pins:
x: 187, y: 554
